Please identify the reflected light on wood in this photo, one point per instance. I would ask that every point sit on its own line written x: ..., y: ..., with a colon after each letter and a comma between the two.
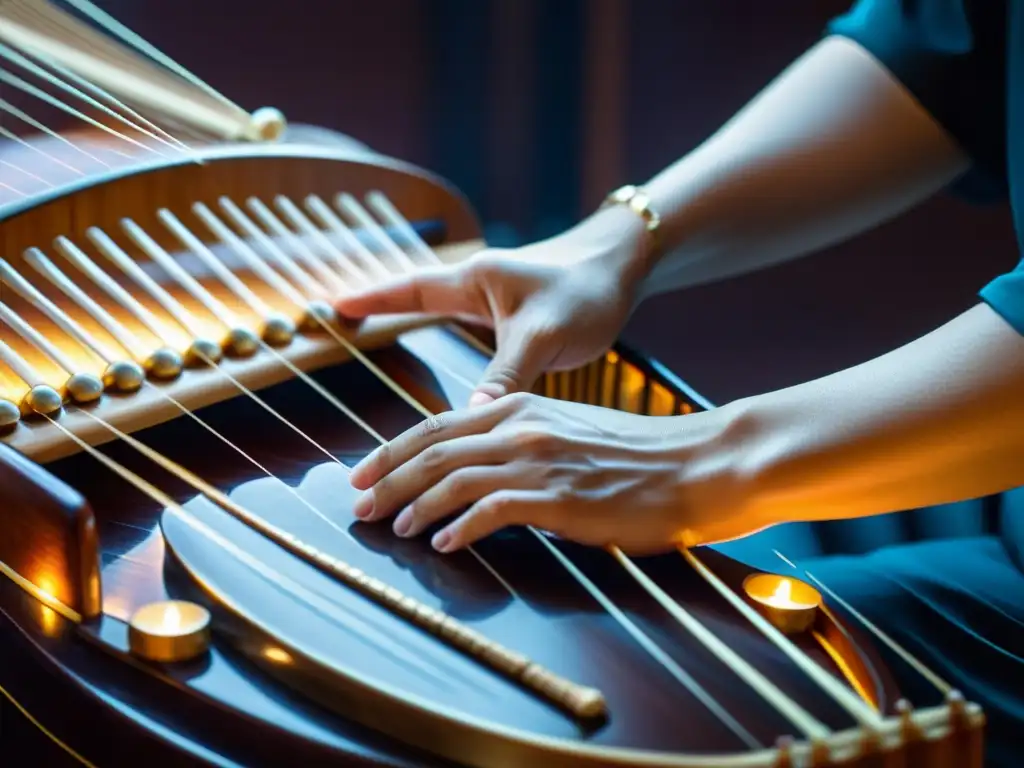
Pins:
x: 277, y: 655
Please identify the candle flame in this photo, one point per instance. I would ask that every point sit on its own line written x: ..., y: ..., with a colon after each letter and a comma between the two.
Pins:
x: 172, y: 618
x: 784, y: 592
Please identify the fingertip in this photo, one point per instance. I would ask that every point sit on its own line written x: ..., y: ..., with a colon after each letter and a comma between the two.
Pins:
x: 444, y: 541
x: 480, y: 398
x: 359, y: 478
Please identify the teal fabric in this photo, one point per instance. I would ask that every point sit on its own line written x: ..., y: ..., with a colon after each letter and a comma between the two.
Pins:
x: 947, y: 582
x: 955, y: 603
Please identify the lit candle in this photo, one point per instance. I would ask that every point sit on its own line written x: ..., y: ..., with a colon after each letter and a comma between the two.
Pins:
x: 790, y: 605
x: 169, y: 631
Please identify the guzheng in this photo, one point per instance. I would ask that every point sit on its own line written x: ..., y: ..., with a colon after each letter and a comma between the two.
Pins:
x: 183, y: 580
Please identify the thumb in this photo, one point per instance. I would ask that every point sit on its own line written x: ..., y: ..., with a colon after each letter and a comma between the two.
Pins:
x: 437, y: 290
x: 517, y: 364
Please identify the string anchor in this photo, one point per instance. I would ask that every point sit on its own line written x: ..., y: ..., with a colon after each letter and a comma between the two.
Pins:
x: 164, y: 363
x: 278, y: 330
x: 123, y: 376
x: 41, y: 399
x: 201, y: 350
x: 266, y: 124
x: 83, y: 388
x: 242, y: 342
x: 317, y: 313
x: 10, y: 414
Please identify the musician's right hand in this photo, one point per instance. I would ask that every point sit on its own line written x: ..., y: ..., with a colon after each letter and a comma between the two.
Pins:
x: 553, y: 305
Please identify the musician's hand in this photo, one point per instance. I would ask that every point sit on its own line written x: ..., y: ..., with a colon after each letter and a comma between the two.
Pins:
x: 553, y: 305
x: 591, y: 475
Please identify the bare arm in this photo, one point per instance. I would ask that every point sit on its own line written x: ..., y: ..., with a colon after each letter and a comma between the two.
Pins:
x: 834, y: 146
x: 935, y: 421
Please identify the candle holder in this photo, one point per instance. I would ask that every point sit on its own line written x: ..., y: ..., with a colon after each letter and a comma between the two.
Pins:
x: 789, y: 604
x: 169, y: 631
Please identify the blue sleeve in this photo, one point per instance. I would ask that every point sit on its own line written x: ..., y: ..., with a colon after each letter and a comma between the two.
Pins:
x: 951, y: 56
x: 1005, y: 295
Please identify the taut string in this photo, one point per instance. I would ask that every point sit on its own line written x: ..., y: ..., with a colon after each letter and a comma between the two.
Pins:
x: 323, y: 605
x: 62, y: 361
x: 56, y: 37
x: 6, y: 106
x: 592, y: 589
x: 919, y: 666
x: 53, y: 101
x: 580, y: 701
x: 190, y: 240
x: 772, y: 694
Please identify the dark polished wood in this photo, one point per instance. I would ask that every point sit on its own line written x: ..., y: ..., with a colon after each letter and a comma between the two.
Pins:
x: 48, y: 534
x: 553, y: 620
x: 286, y: 682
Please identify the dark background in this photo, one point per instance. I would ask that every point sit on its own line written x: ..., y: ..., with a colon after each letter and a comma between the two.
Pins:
x: 536, y: 108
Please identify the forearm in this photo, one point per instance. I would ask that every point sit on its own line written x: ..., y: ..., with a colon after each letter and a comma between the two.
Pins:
x: 938, y: 420
x: 833, y: 147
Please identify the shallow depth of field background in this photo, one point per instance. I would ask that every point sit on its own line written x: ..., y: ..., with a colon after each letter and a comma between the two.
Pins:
x: 536, y: 108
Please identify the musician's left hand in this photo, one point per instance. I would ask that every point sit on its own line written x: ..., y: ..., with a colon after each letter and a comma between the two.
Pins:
x: 588, y: 474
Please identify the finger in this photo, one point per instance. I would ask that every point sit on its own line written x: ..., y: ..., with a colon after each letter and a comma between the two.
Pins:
x: 418, y: 475
x: 436, y: 429
x: 518, y: 362
x: 492, y: 513
x: 435, y: 290
x: 461, y: 489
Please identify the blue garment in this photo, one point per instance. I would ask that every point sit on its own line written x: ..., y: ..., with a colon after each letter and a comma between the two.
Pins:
x: 956, y: 603
x: 964, y: 63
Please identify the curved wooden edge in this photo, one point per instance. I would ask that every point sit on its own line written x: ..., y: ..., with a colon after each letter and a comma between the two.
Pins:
x: 226, y: 153
x: 927, y: 734
x: 49, y: 544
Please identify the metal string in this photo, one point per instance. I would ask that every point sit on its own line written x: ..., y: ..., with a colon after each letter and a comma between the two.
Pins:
x: 328, y: 608
x: 352, y: 207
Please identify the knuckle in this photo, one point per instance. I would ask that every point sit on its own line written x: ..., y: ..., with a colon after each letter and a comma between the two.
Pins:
x: 496, y: 507
x: 434, y: 425
x: 434, y: 457
x: 518, y: 404
x: 381, y: 461
x: 458, y: 483
x: 535, y: 441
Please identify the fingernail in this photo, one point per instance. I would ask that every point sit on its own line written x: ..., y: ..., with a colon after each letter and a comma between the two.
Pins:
x: 403, y: 524
x: 442, y: 541
x: 364, y: 507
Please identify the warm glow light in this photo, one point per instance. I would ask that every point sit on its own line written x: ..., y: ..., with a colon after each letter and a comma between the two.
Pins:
x: 783, y: 594
x: 789, y: 604
x: 169, y: 630
x: 172, y: 619
x: 47, y: 586
x: 49, y: 620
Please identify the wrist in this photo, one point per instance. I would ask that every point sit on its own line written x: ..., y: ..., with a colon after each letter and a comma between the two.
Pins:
x: 722, y: 461
x: 618, y: 239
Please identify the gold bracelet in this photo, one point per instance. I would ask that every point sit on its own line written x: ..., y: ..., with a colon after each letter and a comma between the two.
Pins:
x: 639, y: 202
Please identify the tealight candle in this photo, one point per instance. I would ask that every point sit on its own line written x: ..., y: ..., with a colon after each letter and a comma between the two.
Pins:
x: 789, y: 604
x: 169, y: 631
